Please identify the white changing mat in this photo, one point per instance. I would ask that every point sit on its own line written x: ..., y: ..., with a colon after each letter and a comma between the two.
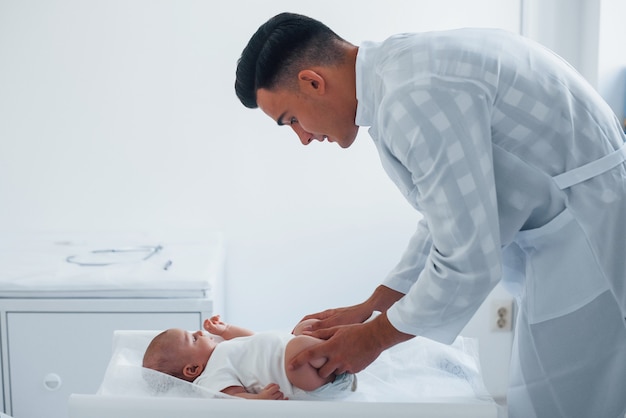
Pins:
x: 419, y: 370
x: 35, y: 265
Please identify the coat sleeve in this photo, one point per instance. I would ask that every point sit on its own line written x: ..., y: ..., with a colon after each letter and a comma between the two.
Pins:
x: 403, y: 276
x: 442, y: 136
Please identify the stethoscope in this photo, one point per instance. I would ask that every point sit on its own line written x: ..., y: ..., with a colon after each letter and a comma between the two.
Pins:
x: 143, y: 251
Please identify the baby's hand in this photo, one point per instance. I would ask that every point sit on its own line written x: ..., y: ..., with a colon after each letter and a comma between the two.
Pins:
x: 272, y: 392
x: 214, y: 325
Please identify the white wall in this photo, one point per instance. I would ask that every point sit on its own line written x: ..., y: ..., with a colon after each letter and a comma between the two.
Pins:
x: 590, y: 35
x: 612, y: 55
x: 121, y: 115
x: 569, y: 28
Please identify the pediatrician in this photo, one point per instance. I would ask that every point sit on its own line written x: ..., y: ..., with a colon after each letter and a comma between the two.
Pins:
x: 517, y: 166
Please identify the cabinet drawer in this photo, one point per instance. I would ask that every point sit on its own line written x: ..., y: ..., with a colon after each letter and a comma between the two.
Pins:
x: 52, y: 355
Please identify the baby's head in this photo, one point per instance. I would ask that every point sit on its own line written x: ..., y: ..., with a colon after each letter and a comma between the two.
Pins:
x: 179, y: 353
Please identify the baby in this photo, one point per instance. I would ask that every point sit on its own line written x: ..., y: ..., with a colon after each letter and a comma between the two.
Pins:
x: 245, y: 364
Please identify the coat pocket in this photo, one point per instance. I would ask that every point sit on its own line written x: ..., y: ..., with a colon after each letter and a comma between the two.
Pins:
x: 562, y: 274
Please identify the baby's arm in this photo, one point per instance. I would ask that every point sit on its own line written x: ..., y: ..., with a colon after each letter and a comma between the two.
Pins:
x: 227, y: 331
x: 271, y: 391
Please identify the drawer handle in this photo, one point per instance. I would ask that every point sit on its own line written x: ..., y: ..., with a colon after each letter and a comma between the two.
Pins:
x: 52, y: 381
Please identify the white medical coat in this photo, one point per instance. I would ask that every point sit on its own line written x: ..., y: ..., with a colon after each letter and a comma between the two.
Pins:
x: 474, y: 127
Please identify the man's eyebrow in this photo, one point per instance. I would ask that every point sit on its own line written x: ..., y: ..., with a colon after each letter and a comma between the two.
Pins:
x: 279, y: 121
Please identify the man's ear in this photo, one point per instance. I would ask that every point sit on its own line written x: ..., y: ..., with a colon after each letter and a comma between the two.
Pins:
x: 311, y: 82
x: 192, y: 370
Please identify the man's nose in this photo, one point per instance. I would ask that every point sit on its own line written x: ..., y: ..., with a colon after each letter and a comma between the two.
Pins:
x: 305, y: 137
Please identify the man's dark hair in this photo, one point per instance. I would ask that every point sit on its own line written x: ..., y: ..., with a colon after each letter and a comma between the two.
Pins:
x: 279, y: 49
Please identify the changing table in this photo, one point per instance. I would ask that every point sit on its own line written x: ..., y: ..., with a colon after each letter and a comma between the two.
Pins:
x: 59, y: 306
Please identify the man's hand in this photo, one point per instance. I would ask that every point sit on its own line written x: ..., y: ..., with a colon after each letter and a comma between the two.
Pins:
x: 350, y: 348
x: 382, y: 298
x: 338, y: 316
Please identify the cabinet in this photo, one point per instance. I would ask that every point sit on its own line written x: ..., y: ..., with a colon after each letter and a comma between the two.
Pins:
x: 54, y: 347
x: 63, y: 295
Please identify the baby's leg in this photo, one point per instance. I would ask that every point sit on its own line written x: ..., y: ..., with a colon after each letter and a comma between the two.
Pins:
x: 305, y: 377
x: 302, y: 325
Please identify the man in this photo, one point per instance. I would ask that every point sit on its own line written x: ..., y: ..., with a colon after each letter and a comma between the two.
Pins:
x: 517, y: 166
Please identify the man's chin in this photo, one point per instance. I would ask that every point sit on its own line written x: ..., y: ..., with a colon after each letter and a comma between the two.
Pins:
x: 347, y: 142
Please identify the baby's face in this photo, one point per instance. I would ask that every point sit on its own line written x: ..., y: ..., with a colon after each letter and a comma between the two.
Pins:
x: 195, y: 347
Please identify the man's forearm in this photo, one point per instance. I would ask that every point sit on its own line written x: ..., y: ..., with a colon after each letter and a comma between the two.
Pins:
x: 383, y: 297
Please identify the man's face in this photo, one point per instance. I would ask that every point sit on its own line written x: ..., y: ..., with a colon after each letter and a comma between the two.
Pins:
x: 311, y: 118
